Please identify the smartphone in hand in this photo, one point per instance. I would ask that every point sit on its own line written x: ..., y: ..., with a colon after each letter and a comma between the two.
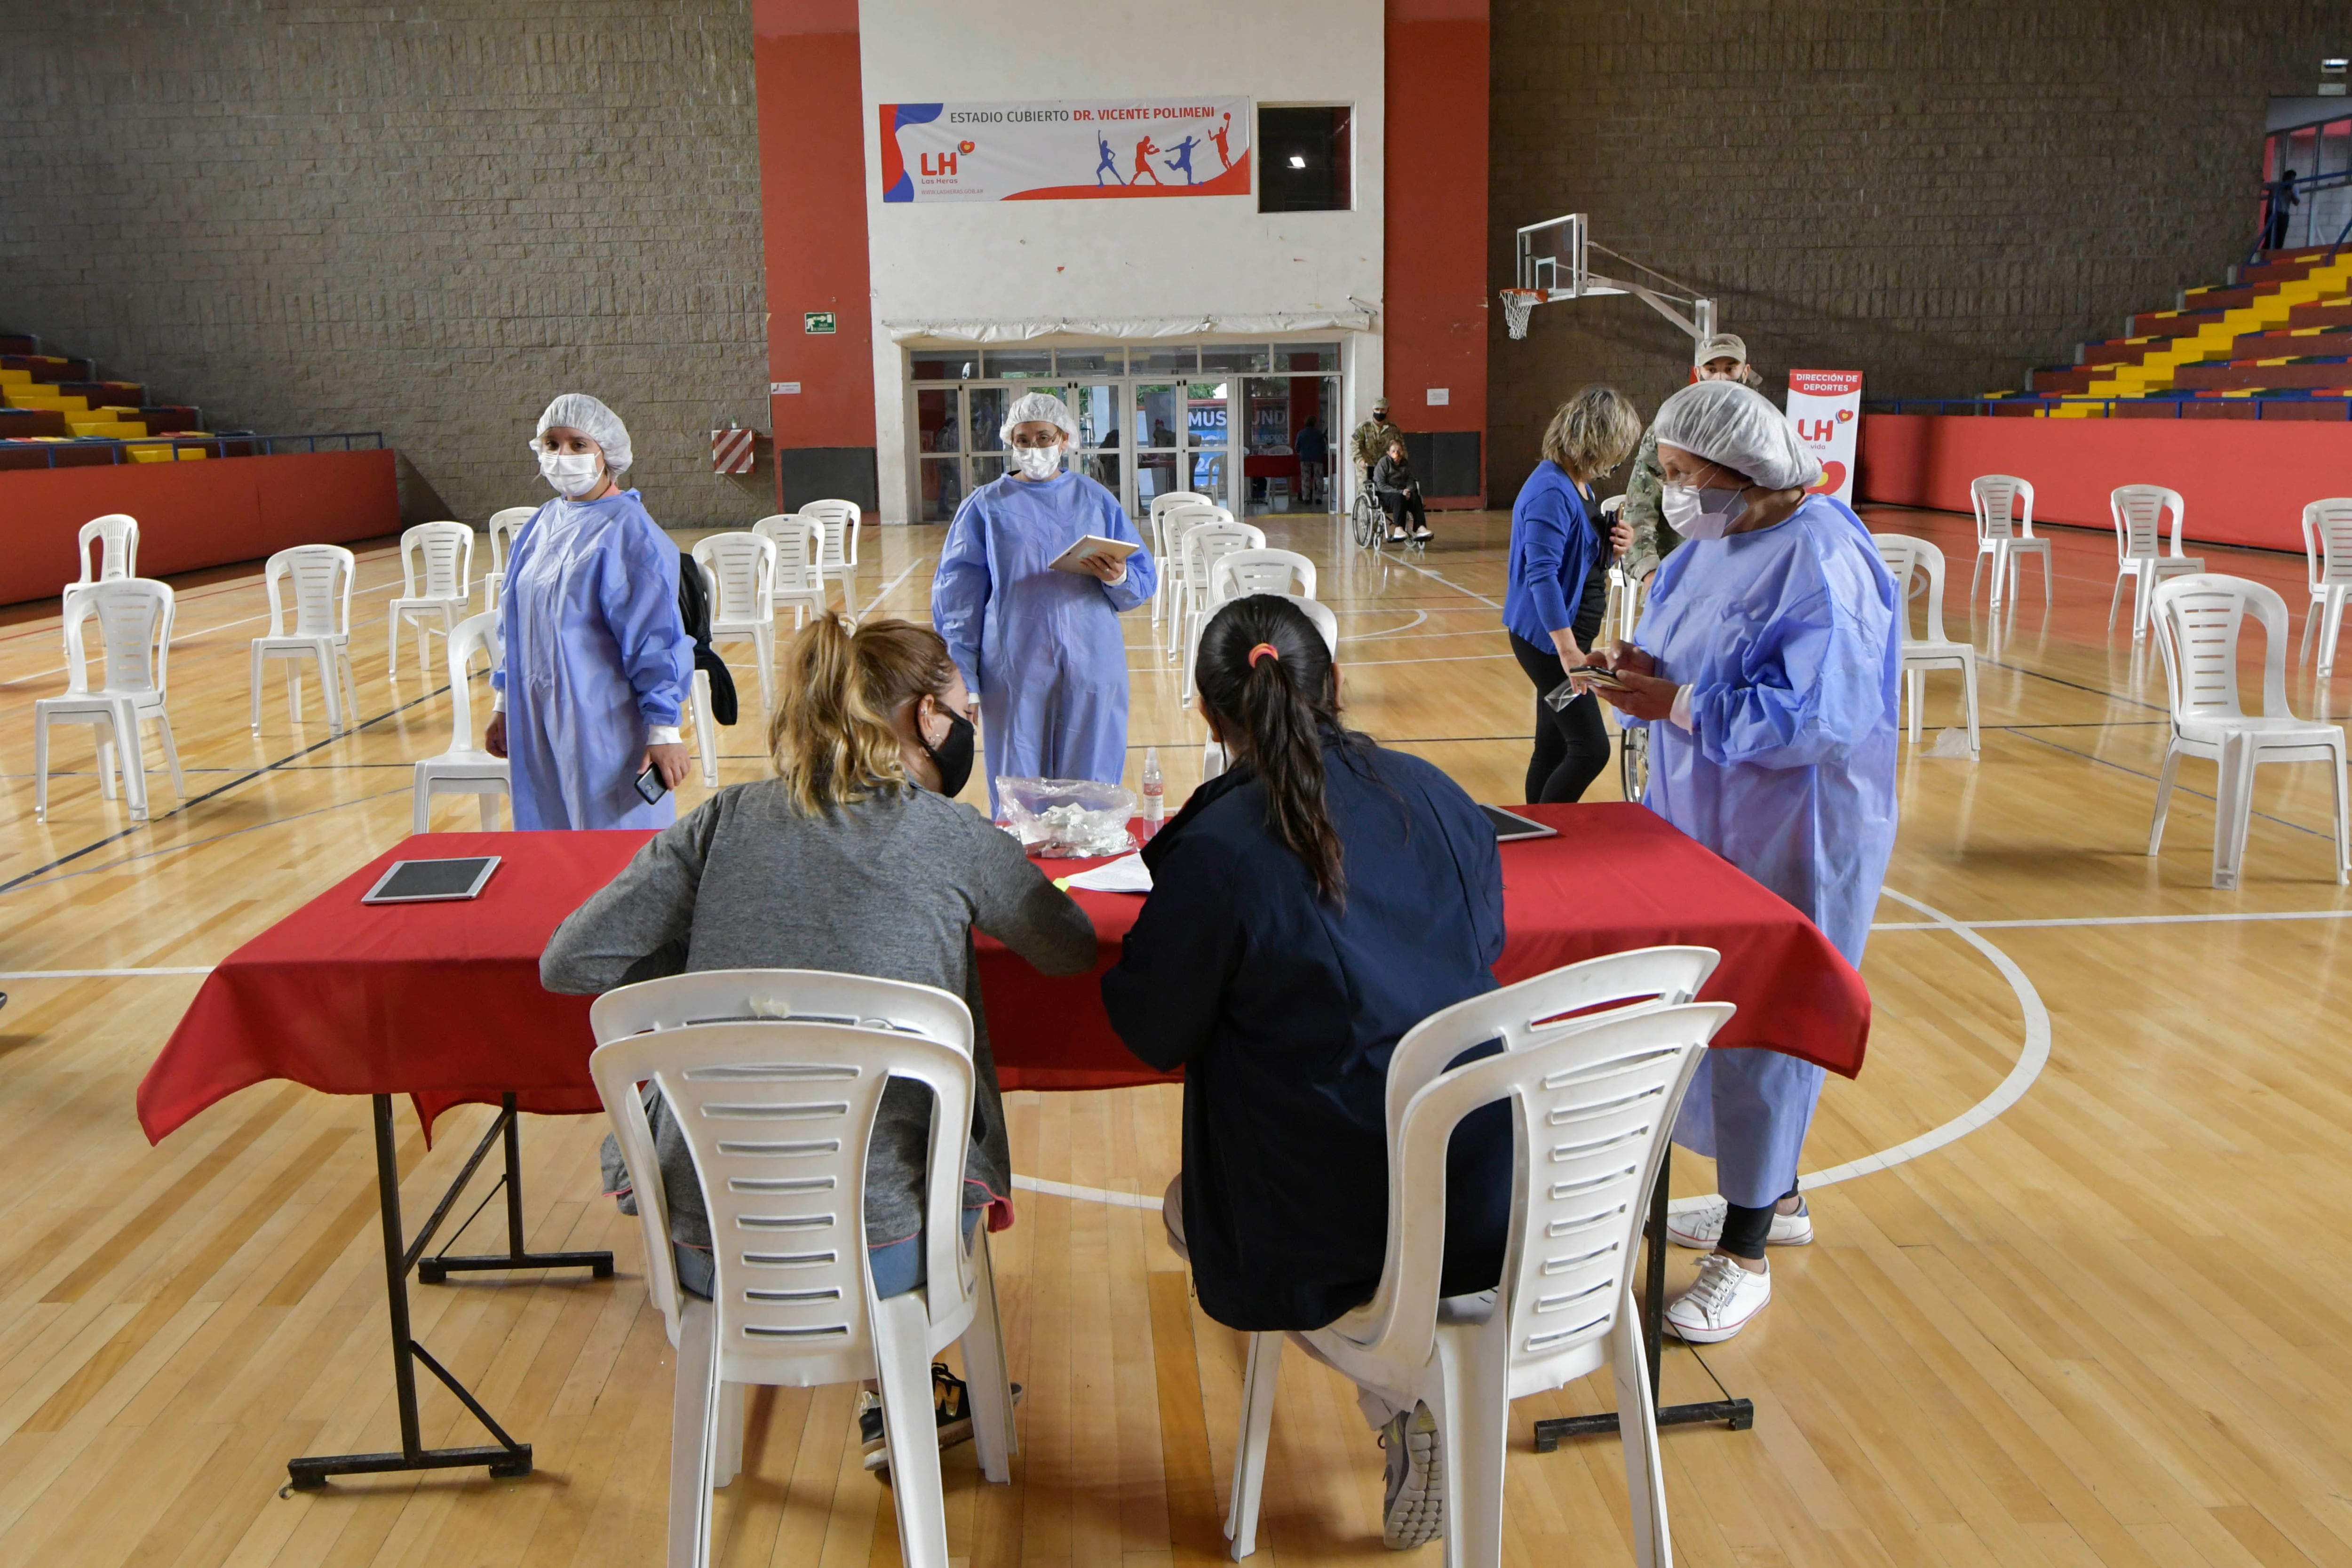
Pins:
x: 650, y: 787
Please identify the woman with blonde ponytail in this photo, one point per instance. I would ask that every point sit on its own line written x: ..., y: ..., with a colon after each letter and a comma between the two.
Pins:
x: 855, y: 858
x: 1308, y: 906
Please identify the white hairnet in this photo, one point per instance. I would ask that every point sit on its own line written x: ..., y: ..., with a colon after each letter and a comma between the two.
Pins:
x: 1039, y: 407
x: 1725, y: 423
x: 578, y: 411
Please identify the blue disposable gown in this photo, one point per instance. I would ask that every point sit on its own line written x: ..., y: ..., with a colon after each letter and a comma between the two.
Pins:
x: 1790, y: 641
x: 594, y: 653
x: 1042, y: 649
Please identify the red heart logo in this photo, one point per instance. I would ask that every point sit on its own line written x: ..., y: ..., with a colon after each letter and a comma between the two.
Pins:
x: 1832, y: 477
x: 1843, y: 413
x: 963, y: 146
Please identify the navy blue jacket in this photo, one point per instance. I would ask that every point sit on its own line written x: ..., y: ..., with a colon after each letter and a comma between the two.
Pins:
x: 1283, y: 1010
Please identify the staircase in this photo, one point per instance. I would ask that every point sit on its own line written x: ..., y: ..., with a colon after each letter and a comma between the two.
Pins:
x: 2274, y: 343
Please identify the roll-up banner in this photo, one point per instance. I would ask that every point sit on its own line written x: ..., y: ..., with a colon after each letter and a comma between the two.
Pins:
x: 1066, y: 150
x: 1825, y: 408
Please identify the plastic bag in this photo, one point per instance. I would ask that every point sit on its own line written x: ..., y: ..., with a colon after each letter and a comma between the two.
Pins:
x: 1067, y: 818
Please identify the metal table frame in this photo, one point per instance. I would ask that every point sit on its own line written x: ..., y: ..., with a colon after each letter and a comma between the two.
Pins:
x: 1740, y: 1415
x: 401, y: 1256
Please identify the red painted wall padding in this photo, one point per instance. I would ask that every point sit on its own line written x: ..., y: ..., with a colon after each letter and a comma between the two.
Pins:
x: 813, y: 229
x: 191, y: 515
x: 2241, y: 481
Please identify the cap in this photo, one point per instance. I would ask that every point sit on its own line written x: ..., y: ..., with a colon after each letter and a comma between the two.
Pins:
x: 1382, y: 401
x: 1723, y: 345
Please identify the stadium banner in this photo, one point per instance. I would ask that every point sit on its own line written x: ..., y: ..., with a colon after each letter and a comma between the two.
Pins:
x: 1065, y: 150
x: 1825, y: 408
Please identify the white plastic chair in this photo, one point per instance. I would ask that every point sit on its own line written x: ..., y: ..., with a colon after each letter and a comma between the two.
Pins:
x: 1160, y: 507
x: 117, y: 535
x: 1178, y: 521
x: 840, y: 520
x: 1245, y: 572
x: 705, y: 730
x: 2198, y: 619
x: 2327, y: 551
x: 321, y: 575
x: 1315, y: 610
x: 800, y: 577
x: 2138, y: 511
x: 464, y: 768
x: 774, y: 1077
x: 2003, y: 505
x: 741, y: 571
x: 1593, y: 1100
x: 436, y: 564
x: 504, y: 526
x: 1907, y: 558
x: 134, y: 616
x: 1199, y: 549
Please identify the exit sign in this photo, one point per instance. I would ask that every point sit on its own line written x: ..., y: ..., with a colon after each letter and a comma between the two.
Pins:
x: 818, y: 320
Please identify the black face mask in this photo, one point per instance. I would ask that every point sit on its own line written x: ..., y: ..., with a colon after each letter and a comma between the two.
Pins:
x: 953, y: 755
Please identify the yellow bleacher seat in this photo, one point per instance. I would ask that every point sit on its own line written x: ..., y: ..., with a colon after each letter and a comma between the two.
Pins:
x: 15, y: 378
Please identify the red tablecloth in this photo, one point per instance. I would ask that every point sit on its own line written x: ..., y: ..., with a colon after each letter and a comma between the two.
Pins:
x: 443, y: 1002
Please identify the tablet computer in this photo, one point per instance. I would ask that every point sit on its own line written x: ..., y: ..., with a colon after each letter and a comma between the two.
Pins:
x: 431, y: 881
x: 1508, y: 825
x: 1092, y: 544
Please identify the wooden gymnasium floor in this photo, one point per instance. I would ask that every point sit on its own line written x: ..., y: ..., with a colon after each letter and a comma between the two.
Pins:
x: 2107, y: 1320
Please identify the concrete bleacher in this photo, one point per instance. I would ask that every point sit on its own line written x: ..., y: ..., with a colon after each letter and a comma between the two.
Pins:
x: 2273, y: 342
x: 49, y: 401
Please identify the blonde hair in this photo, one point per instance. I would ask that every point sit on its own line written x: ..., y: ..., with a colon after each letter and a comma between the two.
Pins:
x: 831, y: 738
x: 1592, y: 432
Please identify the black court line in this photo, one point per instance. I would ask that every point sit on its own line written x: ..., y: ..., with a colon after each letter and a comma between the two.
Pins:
x: 2076, y: 685
x: 2177, y: 787
x: 195, y: 801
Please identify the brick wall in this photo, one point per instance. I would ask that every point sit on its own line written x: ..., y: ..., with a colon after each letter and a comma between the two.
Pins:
x: 1939, y: 193
x: 424, y: 219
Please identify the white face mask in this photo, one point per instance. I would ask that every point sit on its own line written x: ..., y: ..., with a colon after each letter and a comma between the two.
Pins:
x: 1698, y: 513
x: 574, y: 474
x: 1038, y: 462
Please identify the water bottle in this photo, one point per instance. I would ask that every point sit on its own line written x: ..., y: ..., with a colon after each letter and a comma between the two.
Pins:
x: 1155, y: 792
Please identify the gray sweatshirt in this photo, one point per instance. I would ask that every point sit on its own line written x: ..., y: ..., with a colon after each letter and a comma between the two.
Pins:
x: 891, y: 886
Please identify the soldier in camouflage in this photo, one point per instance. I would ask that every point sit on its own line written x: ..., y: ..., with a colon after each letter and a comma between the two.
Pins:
x: 1643, y: 536
x: 1371, y: 442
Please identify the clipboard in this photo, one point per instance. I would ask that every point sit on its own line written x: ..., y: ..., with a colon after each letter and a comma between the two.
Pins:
x: 1092, y: 544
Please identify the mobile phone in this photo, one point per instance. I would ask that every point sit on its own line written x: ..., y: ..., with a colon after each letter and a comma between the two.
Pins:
x: 650, y: 785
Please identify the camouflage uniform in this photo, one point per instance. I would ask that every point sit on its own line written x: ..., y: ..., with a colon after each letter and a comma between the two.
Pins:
x: 1653, y: 537
x: 1370, y: 444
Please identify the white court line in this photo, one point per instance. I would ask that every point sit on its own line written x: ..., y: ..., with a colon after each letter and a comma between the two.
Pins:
x: 1447, y: 581
x: 1418, y: 616
x: 103, y: 974
x: 1089, y: 1194
x: 2110, y: 920
x: 1433, y: 659
x: 885, y: 592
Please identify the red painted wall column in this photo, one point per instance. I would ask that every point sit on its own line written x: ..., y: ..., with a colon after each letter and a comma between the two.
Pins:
x: 813, y: 227
x: 1433, y: 315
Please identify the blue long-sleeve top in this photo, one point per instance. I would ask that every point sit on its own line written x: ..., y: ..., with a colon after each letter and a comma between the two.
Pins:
x: 1553, y: 548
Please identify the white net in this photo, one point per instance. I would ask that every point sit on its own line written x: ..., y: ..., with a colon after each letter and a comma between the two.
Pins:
x: 1518, y: 304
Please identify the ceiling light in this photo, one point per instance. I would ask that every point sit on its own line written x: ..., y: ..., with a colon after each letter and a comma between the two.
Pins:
x: 1297, y: 161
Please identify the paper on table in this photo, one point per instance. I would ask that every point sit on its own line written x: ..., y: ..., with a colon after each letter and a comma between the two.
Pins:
x: 1128, y: 874
x: 1092, y: 544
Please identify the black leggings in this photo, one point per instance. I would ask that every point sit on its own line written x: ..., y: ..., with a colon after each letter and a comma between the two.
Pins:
x: 1571, y: 742
x: 1744, y: 1229
x: 1399, y: 502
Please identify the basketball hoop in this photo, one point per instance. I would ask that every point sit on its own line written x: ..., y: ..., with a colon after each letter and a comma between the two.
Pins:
x: 1518, y: 305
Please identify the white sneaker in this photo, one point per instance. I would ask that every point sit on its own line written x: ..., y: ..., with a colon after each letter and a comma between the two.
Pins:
x: 1700, y: 1227
x: 1719, y: 1303
x: 1413, y: 1511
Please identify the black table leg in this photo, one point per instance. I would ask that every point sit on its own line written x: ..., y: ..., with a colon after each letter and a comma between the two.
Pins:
x: 434, y: 1270
x: 1738, y: 1413
x: 507, y: 1457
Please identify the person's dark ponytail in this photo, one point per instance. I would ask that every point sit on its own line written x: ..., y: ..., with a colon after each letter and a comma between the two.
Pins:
x: 1265, y: 673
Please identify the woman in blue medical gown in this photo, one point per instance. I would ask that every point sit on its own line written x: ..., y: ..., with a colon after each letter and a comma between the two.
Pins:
x: 1042, y: 649
x: 1767, y: 670
x: 596, y: 665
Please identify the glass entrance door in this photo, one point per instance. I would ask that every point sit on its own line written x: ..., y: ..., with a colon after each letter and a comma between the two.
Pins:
x: 1287, y: 442
x: 958, y: 445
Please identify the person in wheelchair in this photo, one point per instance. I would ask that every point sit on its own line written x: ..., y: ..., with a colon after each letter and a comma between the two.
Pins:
x: 1400, y: 493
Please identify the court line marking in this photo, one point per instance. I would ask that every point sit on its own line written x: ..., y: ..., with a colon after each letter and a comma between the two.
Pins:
x: 2031, y: 1059
x: 885, y: 592
x: 1437, y: 578
x: 1090, y: 1194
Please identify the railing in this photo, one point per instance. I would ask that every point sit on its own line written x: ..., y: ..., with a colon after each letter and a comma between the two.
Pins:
x: 2304, y: 213
x: 216, y: 445
x: 2340, y: 408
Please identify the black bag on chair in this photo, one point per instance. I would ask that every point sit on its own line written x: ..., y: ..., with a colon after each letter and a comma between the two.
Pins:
x: 694, y: 609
